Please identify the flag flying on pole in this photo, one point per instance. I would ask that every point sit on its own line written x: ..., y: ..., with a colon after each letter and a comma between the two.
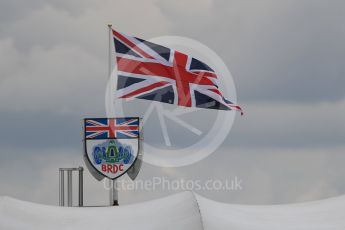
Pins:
x: 154, y: 72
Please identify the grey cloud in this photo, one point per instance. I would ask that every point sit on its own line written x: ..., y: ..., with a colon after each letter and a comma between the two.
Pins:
x: 39, y: 130
x: 12, y: 10
x: 55, y: 22
x: 64, y: 79
x: 56, y: 54
x: 277, y: 51
x: 272, y: 175
x: 290, y: 125
x: 18, y: 9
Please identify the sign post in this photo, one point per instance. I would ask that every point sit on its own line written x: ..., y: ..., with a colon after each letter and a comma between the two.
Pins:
x: 113, y: 193
x: 112, y: 146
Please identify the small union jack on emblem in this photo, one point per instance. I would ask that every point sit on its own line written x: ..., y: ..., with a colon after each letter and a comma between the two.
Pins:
x: 102, y: 128
x: 111, y: 145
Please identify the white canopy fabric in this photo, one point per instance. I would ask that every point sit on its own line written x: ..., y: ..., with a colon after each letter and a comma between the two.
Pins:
x: 180, y: 211
x: 328, y: 214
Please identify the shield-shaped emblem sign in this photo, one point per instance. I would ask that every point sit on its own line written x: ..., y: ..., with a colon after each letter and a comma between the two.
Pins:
x: 111, y: 144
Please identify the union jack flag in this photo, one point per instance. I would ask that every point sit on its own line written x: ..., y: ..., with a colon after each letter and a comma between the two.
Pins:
x: 154, y: 72
x: 106, y: 128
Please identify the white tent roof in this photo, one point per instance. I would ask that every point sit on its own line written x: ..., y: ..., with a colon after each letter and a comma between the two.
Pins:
x: 180, y: 211
x: 328, y: 214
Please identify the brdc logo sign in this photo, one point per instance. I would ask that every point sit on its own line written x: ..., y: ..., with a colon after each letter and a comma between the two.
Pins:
x: 111, y: 144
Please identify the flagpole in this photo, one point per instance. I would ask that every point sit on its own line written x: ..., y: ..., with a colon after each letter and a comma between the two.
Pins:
x: 113, y: 193
x: 109, y: 50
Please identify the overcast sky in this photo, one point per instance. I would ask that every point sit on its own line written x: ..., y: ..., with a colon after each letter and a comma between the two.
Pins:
x: 286, y: 58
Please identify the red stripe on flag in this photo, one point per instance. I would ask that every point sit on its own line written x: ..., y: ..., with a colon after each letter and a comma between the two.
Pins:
x: 131, y: 44
x: 145, y: 89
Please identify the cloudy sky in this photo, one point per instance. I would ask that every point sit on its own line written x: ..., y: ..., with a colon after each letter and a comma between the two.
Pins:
x: 286, y: 58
